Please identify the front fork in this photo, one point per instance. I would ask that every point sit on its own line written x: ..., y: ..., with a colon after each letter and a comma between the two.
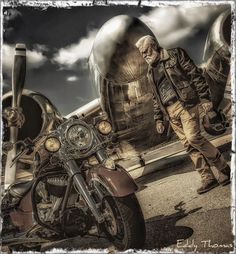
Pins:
x: 79, y: 181
x: 103, y: 159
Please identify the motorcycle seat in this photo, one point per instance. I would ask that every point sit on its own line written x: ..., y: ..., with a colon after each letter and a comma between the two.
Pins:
x: 19, y: 189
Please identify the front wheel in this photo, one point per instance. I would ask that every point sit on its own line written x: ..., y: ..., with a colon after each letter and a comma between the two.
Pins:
x: 124, y: 224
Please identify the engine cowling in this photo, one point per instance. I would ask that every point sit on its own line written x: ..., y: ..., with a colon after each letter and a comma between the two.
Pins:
x: 119, y: 72
x: 217, y: 57
x: 39, y: 112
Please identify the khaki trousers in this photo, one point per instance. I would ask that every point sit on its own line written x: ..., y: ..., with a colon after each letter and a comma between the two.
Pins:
x: 186, y: 124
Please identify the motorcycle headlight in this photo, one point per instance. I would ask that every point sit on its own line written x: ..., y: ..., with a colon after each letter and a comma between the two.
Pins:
x: 104, y: 127
x: 79, y: 136
x: 52, y: 144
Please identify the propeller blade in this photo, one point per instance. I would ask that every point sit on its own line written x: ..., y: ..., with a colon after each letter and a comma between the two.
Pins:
x: 18, y: 74
x: 10, y: 171
x: 18, y: 80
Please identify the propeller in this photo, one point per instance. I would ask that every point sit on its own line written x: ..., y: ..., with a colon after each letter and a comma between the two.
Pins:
x: 15, y: 114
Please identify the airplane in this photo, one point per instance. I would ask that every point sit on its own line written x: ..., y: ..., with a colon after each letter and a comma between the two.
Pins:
x: 119, y: 72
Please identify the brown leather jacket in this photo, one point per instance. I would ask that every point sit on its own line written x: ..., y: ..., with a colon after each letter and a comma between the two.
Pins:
x: 186, y: 78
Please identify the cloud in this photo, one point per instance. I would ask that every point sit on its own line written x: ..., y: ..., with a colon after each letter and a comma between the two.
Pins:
x: 35, y: 59
x: 172, y: 24
x: 11, y: 14
x: 12, y: 20
x: 6, y: 84
x: 68, y: 57
x: 72, y: 78
x: 41, y: 48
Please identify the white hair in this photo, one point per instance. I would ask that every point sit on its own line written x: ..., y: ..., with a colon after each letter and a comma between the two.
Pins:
x: 147, y: 40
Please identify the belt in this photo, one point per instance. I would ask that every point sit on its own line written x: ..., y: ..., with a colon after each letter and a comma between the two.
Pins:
x: 171, y: 102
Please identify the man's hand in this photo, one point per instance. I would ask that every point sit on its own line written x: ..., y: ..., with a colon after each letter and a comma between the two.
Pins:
x: 207, y: 106
x: 160, y: 127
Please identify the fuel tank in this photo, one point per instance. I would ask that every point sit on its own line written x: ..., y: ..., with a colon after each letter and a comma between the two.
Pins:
x: 40, y: 114
x: 119, y: 72
x: 217, y: 57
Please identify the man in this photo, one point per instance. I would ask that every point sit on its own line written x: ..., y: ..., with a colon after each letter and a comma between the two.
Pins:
x: 178, y: 87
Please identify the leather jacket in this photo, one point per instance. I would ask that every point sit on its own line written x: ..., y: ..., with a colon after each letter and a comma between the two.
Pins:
x: 186, y: 78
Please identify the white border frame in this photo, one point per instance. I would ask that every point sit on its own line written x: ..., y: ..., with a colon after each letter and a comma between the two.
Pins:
x: 151, y: 3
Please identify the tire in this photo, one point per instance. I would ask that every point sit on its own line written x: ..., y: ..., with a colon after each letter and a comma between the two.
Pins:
x: 23, y: 248
x: 130, y: 225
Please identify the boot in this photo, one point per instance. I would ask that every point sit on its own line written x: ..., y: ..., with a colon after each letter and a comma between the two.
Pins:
x: 207, y: 185
x: 224, y: 176
x: 208, y: 180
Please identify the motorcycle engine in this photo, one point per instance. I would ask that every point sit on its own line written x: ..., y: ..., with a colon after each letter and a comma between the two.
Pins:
x: 75, y: 219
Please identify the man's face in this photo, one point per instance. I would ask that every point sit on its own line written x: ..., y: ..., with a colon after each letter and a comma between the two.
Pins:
x: 149, y: 53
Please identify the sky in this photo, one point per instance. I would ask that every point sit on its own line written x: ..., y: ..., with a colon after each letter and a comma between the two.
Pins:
x: 59, y: 41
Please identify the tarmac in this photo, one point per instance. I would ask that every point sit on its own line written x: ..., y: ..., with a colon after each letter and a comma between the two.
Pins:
x: 179, y: 219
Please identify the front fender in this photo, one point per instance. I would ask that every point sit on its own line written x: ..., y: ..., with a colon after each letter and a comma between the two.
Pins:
x: 118, y: 181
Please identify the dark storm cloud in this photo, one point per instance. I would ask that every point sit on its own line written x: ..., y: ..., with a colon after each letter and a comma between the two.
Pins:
x: 11, y: 22
x: 59, y: 27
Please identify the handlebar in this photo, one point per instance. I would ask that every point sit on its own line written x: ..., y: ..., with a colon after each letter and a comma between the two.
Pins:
x: 27, y: 146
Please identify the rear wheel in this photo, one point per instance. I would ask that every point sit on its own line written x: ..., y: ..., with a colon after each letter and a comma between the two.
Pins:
x: 124, y: 224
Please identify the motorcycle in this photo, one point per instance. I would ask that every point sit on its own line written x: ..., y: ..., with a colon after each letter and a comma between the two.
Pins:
x: 77, y: 190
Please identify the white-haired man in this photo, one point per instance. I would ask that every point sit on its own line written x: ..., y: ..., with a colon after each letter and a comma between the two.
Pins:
x: 179, y: 87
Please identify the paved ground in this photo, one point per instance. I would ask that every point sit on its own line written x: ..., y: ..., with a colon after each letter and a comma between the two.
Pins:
x: 176, y: 216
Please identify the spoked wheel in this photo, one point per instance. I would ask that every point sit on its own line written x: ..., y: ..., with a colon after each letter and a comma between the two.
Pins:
x: 124, y: 223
